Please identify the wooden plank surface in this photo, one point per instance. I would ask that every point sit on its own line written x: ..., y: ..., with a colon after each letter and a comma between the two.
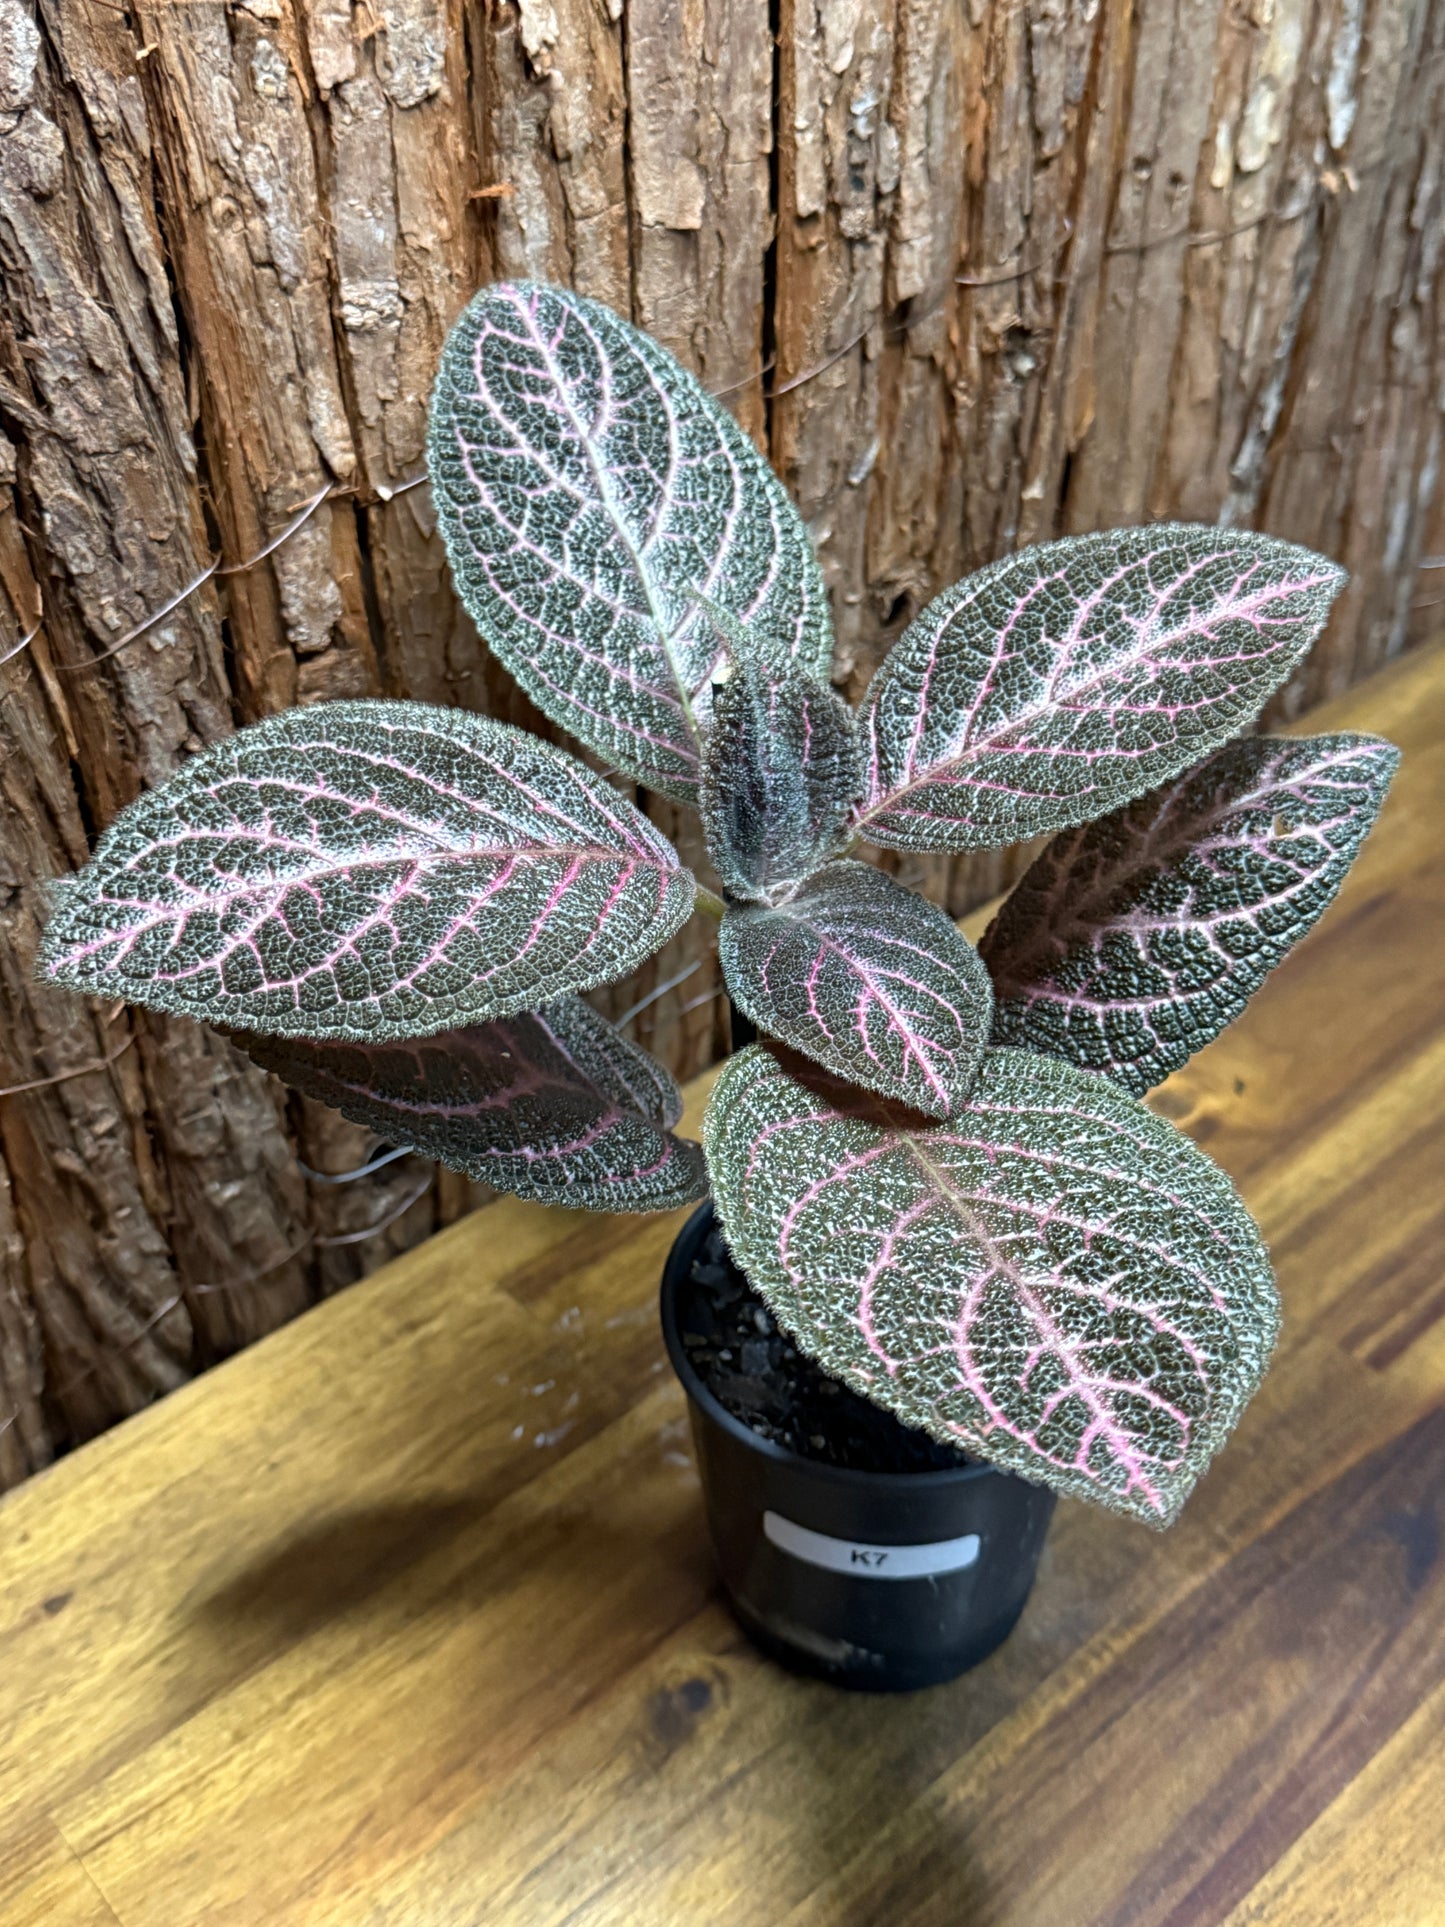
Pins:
x: 404, y: 1617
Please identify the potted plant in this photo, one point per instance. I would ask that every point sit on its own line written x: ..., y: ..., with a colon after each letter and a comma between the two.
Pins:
x: 956, y: 1266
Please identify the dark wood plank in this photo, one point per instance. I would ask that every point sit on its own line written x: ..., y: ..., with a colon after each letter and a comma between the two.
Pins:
x: 1265, y: 1690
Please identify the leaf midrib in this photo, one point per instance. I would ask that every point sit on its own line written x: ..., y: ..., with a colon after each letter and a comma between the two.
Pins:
x: 599, y: 476
x: 1045, y: 1325
x: 277, y: 887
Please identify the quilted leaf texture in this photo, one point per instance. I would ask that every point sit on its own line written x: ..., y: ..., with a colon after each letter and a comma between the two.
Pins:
x: 367, y: 870
x: 552, y: 1105
x: 1056, y: 1279
x: 866, y: 978
x: 1068, y: 679
x: 589, y: 492
x: 781, y: 772
x: 1130, y: 944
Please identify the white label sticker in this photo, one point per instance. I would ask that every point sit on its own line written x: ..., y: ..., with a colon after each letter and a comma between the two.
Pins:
x: 871, y: 1562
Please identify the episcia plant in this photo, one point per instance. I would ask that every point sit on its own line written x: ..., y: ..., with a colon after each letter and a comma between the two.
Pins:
x: 935, y: 1168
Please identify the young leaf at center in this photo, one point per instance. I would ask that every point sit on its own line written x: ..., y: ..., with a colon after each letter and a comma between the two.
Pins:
x: 1132, y: 942
x: 782, y: 769
x: 589, y: 492
x: 1056, y: 1279
x: 867, y: 978
x: 367, y: 870
x: 1067, y: 679
x: 553, y: 1105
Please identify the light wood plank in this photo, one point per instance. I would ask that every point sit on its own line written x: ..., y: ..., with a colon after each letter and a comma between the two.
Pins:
x: 43, y: 1883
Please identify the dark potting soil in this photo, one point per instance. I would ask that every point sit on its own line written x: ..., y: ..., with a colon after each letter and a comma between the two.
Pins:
x: 758, y: 1374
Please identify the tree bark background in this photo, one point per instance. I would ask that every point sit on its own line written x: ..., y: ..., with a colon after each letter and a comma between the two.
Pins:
x: 974, y: 272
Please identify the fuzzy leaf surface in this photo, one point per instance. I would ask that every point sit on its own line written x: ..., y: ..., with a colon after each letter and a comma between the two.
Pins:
x: 1055, y: 1279
x: 589, y: 492
x: 553, y: 1105
x: 1131, y: 943
x: 1066, y: 680
x: 781, y: 772
x: 866, y: 978
x: 367, y: 870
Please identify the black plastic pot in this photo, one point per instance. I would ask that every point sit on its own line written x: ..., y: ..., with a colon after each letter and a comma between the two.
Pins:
x: 880, y: 1580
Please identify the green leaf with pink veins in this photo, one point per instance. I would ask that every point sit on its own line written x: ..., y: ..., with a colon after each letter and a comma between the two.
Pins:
x: 552, y: 1105
x: 367, y: 870
x: 1065, y: 680
x: 868, y: 979
x: 590, y: 493
x: 1133, y: 941
x: 1055, y: 1279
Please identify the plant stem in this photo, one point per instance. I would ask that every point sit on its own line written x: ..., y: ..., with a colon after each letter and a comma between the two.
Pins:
x: 708, y: 904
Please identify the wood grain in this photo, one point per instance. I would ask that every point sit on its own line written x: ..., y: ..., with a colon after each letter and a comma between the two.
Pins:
x: 406, y: 1614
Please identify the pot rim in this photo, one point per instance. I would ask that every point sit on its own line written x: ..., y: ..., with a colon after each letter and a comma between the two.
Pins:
x: 674, y: 1273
